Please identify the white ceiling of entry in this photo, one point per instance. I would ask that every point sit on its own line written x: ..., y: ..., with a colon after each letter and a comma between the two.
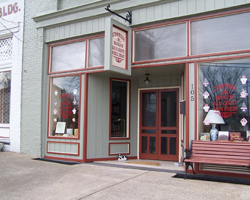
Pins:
x: 159, y: 71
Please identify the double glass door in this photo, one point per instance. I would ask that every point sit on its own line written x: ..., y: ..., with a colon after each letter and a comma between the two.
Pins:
x: 159, y: 131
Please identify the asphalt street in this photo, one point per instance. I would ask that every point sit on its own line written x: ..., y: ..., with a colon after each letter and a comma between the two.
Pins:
x: 23, y: 177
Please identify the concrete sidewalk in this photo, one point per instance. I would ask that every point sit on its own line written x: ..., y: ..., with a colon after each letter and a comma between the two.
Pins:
x: 21, y: 177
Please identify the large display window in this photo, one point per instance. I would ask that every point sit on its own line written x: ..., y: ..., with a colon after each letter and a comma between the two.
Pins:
x: 64, y: 106
x: 224, y: 86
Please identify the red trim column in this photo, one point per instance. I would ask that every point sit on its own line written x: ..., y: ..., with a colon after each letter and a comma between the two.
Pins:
x: 85, y: 117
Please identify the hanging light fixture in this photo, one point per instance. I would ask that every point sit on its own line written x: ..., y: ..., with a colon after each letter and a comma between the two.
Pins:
x: 146, y: 81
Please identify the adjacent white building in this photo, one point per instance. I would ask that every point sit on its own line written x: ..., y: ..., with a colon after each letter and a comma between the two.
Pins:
x: 11, y: 44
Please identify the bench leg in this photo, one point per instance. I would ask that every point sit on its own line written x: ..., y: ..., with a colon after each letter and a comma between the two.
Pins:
x: 186, y: 168
x: 192, y: 165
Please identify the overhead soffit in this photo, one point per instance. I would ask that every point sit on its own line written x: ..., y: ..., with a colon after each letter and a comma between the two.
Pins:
x: 155, y: 72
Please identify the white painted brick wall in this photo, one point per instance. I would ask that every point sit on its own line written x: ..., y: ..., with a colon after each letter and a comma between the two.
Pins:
x: 9, y: 20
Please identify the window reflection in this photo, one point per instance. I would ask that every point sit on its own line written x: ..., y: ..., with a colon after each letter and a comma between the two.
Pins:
x: 64, y: 106
x: 96, y: 52
x: 68, y: 57
x: 222, y: 88
x: 158, y: 42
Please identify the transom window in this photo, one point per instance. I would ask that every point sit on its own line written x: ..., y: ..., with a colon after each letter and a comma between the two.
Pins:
x: 77, y: 54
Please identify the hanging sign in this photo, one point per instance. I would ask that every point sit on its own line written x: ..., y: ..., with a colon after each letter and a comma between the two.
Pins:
x: 118, y: 45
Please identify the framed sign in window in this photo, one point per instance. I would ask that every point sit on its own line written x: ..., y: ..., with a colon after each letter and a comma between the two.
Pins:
x: 118, y: 45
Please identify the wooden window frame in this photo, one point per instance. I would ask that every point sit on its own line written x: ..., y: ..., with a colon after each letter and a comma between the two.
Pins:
x: 128, y: 109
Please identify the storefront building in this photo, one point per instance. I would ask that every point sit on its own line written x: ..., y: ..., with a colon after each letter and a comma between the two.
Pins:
x: 102, y: 86
x: 11, y: 38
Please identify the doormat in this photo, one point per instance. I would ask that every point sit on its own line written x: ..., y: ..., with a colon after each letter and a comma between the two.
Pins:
x: 58, y: 161
x: 222, y: 179
x: 143, y: 163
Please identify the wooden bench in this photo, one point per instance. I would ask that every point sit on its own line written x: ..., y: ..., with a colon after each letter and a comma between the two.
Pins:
x: 222, y: 153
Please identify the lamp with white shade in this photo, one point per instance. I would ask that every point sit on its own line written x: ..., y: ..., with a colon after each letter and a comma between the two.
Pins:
x: 213, y: 117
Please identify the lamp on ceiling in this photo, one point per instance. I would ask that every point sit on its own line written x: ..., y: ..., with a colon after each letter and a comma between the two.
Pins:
x: 146, y: 81
x: 213, y: 117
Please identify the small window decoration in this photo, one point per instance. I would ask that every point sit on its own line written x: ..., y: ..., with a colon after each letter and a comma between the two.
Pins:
x: 56, y: 92
x: 205, y: 83
x: 206, y: 108
x: 206, y: 95
x: 243, y: 80
x: 243, y: 94
x: 243, y: 107
x: 243, y: 122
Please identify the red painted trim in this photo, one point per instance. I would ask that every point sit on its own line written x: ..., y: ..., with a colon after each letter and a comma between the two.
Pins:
x: 107, y: 159
x: 77, y: 70
x: 228, y: 57
x: 187, y: 105
x: 112, y: 154
x: 86, y: 54
x: 85, y: 122
x: 49, y: 103
x: 62, y: 158
x: 188, y: 38
x: 110, y: 109
x: 191, y: 57
x: 195, y: 99
x: 132, y: 46
x: 4, y: 137
x: 182, y: 116
x: 62, y: 153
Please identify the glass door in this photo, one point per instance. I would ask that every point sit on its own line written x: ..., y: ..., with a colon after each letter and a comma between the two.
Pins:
x: 159, y: 124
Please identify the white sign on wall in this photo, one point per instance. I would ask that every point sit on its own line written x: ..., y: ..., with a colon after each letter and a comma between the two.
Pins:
x: 117, y: 47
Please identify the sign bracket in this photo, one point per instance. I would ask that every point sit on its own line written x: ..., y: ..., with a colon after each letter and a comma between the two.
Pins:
x: 128, y: 16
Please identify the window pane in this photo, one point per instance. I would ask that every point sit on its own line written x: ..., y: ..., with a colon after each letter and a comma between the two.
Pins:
x: 163, y: 42
x: 148, y: 109
x: 221, y: 34
x: 225, y: 87
x: 5, y: 82
x: 172, y: 146
x: 152, y: 145
x: 164, y: 145
x: 64, y: 106
x: 119, y: 108
x: 96, y: 52
x: 168, y: 109
x: 144, y: 145
x: 68, y: 57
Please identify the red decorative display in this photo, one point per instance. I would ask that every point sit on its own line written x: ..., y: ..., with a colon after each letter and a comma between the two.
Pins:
x: 65, y: 109
x: 225, y: 101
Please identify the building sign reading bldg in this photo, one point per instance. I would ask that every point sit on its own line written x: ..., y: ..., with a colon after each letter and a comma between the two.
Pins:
x: 9, y: 9
x: 119, y: 47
